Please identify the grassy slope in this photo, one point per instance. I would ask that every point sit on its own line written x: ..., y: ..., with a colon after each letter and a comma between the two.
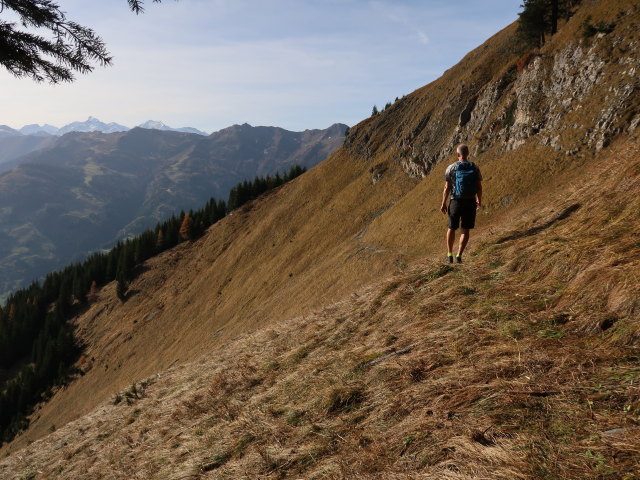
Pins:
x: 521, y: 363
x: 314, y: 242
x: 262, y: 263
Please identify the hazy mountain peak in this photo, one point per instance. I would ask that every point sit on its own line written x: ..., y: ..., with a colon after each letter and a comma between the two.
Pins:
x: 92, y: 124
x: 155, y: 124
x: 159, y: 125
x: 36, y: 129
x: 8, y: 131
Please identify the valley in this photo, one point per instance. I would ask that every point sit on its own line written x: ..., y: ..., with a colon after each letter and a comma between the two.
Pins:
x: 86, y: 191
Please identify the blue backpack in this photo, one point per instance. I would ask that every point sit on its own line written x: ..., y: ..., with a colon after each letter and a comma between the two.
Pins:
x: 466, y: 185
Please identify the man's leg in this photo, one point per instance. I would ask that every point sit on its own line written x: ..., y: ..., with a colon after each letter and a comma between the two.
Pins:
x: 451, y: 236
x: 468, y: 219
x: 464, y: 238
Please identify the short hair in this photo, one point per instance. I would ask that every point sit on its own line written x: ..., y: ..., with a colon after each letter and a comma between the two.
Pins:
x: 463, y: 150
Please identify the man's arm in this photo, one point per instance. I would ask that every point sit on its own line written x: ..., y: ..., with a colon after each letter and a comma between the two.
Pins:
x: 445, y: 196
x: 479, y: 195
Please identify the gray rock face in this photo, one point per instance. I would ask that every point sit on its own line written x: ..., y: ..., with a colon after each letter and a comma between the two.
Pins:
x: 577, y: 91
x: 553, y: 90
x: 574, y: 100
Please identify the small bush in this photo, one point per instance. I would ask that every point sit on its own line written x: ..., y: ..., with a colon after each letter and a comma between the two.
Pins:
x: 512, y: 330
x: 301, y: 353
x: 589, y: 29
x: 417, y: 370
x: 344, y: 399
x: 272, y: 366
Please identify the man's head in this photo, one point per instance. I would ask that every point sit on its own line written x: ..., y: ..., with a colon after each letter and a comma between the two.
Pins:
x: 462, y: 151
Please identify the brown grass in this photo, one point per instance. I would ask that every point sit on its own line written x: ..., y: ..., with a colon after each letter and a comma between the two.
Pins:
x: 501, y: 368
x: 280, y: 361
x: 333, y: 230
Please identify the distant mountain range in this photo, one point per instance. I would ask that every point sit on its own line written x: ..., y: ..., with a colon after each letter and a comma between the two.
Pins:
x: 92, y: 124
x: 17, y: 143
x: 85, y: 190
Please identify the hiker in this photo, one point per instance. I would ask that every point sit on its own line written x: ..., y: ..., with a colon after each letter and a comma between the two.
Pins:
x: 463, y: 185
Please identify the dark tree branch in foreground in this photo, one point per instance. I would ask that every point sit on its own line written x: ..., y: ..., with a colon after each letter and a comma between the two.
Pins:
x: 67, y: 47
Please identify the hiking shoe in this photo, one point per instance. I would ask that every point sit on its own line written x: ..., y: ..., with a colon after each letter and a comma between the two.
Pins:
x: 458, y: 258
x: 449, y: 259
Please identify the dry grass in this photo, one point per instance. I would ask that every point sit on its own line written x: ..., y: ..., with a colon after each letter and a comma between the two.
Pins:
x: 514, y: 365
x: 334, y: 230
x: 520, y: 364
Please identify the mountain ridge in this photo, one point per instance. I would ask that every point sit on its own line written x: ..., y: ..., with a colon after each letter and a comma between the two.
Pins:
x: 88, y: 189
x: 92, y: 124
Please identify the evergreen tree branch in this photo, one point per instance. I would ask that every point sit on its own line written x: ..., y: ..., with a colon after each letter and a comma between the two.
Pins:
x: 136, y: 5
x: 24, y: 52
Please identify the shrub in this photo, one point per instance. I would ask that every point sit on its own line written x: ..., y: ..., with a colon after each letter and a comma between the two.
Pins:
x: 589, y: 29
x: 344, y: 399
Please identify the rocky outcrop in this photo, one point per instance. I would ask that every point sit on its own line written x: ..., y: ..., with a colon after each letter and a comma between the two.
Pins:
x: 573, y: 96
x: 575, y: 100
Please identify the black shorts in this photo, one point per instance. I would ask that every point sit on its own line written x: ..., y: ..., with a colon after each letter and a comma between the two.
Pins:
x: 462, y: 209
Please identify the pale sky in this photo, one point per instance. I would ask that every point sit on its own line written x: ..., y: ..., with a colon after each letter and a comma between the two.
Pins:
x: 296, y: 64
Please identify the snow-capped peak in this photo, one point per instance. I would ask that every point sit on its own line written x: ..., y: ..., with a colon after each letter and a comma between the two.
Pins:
x: 158, y: 125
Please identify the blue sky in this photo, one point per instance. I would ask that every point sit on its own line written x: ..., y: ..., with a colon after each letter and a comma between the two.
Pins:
x: 296, y: 64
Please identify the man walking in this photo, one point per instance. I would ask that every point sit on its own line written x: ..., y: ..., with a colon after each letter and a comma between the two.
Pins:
x: 463, y: 186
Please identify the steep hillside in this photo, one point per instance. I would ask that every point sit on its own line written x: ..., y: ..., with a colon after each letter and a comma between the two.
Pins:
x: 521, y: 364
x: 89, y: 190
x: 573, y: 96
x: 519, y: 361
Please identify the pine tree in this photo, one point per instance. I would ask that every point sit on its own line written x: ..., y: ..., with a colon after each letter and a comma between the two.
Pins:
x: 186, y: 227
x: 79, y: 287
x: 25, y: 52
x: 63, y: 304
x: 121, y: 286
x: 112, y: 263
x: 172, y: 234
x: 92, y: 296
x: 539, y: 17
x: 122, y: 274
x: 160, y: 241
x: 533, y: 22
